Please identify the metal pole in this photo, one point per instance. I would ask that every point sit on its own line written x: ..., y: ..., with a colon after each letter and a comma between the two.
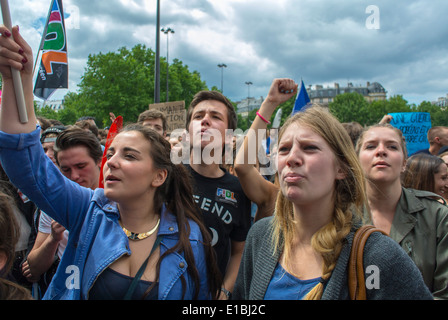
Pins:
x: 248, y: 83
x: 16, y: 77
x: 222, y: 65
x: 157, y: 64
x: 248, y: 90
x: 167, y: 32
x: 167, y: 65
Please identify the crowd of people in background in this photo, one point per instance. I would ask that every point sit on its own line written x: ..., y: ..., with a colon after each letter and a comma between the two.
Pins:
x: 220, y: 229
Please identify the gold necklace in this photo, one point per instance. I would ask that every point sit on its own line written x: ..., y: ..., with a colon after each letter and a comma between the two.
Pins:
x: 140, y: 236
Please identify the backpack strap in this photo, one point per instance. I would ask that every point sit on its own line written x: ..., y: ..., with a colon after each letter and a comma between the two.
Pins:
x: 356, y: 282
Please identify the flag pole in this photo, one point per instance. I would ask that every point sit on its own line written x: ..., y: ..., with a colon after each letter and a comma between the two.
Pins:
x: 42, y: 40
x: 17, y: 79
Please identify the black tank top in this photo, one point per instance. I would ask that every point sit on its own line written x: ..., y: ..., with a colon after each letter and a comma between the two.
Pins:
x: 111, y: 285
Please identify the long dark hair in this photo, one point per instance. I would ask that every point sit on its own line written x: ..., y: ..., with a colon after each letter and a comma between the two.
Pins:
x: 177, y: 194
x: 9, y: 235
x: 420, y: 171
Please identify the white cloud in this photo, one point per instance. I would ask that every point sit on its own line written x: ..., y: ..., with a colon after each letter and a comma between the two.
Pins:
x: 320, y: 41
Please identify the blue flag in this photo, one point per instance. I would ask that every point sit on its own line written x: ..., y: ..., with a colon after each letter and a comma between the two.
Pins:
x: 302, y: 100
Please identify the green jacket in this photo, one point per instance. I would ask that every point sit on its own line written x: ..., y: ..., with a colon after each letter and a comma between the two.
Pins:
x: 420, y: 226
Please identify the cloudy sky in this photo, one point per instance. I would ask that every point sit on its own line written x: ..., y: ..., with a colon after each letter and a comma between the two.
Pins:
x: 401, y: 44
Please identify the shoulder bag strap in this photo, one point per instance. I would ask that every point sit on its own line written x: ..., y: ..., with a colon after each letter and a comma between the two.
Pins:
x: 356, y: 282
x: 140, y: 271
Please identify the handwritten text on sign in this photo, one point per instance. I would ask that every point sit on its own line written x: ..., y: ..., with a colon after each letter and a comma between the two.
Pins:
x: 175, y: 113
x: 415, y: 126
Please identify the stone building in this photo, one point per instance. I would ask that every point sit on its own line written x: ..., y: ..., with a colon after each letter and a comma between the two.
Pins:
x: 247, y: 105
x: 371, y: 92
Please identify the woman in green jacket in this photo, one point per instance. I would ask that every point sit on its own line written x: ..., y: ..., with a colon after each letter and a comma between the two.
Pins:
x: 413, y: 218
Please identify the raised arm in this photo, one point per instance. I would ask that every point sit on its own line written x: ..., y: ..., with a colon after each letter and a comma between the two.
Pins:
x: 21, y: 153
x: 15, y: 53
x: 258, y: 189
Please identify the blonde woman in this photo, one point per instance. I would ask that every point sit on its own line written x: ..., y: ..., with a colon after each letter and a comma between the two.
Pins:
x: 413, y: 218
x: 302, y: 252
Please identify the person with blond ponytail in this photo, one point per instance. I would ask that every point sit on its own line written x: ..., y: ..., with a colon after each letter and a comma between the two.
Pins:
x: 302, y: 251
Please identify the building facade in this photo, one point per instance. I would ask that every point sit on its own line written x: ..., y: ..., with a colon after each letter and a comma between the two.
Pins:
x: 247, y: 105
x: 55, y: 105
x: 441, y: 102
x: 371, y: 92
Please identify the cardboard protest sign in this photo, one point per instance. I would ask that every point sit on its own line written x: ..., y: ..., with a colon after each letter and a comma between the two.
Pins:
x: 175, y: 113
x: 415, y: 126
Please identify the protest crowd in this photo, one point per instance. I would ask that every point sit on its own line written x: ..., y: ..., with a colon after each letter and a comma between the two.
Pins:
x: 137, y: 213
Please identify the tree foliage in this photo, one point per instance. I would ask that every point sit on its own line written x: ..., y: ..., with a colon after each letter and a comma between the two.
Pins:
x: 350, y: 107
x: 122, y: 82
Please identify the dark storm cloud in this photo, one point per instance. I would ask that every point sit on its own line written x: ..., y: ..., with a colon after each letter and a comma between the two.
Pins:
x: 321, y: 42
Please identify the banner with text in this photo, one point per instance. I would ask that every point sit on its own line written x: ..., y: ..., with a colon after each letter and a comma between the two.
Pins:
x: 175, y: 113
x: 415, y: 126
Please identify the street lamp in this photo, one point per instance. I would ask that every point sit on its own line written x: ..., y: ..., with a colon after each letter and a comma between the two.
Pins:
x: 222, y: 65
x: 167, y: 32
x: 248, y: 89
x: 248, y: 83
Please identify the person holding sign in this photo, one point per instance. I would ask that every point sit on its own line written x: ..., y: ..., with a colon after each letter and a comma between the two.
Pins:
x: 412, y: 218
x: 139, y: 237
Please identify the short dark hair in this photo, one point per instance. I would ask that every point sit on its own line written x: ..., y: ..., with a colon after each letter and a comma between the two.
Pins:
x: 153, y: 114
x: 217, y: 96
x: 86, y: 118
x: 75, y: 136
x: 87, y: 125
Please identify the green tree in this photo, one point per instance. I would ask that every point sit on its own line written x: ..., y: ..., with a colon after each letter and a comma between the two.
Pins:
x: 183, y: 84
x: 69, y: 114
x: 398, y: 104
x: 377, y: 109
x: 122, y: 82
x: 286, y: 110
x: 47, y: 112
x: 351, y: 106
x: 439, y: 116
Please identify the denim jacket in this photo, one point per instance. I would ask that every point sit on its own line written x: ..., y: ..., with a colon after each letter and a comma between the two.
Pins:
x: 96, y: 239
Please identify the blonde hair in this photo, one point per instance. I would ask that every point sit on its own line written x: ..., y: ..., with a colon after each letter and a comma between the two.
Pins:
x: 349, y: 195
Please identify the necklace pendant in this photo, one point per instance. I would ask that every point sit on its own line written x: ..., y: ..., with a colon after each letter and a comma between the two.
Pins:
x: 135, y: 236
x: 140, y: 236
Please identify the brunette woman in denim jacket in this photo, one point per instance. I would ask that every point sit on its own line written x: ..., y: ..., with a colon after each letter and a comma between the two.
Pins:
x: 146, y: 203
